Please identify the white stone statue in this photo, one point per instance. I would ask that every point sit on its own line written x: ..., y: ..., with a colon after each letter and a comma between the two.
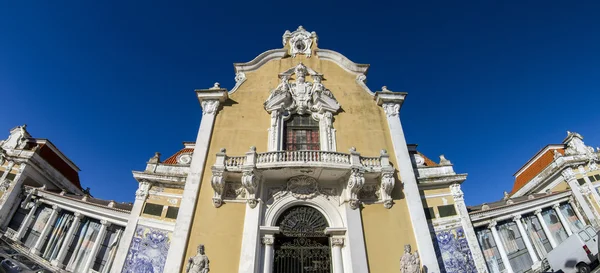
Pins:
x: 198, y: 263
x: 410, y: 263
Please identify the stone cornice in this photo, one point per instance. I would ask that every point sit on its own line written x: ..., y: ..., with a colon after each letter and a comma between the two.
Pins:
x: 483, y: 217
x: 177, y: 181
x: 440, y: 181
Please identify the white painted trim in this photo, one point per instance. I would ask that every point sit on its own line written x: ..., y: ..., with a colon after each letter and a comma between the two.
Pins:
x: 172, y: 195
x: 320, y: 203
x: 128, y: 233
x: 250, y: 255
x: 435, y: 195
x: 155, y: 223
x: 260, y: 60
x: 94, y: 213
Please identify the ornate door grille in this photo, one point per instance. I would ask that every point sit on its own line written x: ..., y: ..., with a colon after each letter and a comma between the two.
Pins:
x: 302, y: 246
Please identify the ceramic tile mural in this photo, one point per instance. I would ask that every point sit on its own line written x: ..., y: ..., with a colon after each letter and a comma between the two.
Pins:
x: 148, y: 251
x: 454, y: 251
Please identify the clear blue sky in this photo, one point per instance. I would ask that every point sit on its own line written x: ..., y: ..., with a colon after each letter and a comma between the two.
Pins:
x: 489, y: 83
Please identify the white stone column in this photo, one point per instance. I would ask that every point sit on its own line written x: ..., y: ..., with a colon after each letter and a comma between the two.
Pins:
x: 465, y: 221
x: 210, y: 100
x: 268, y: 241
x: 538, y: 213
x: 336, y: 250
x: 96, y: 247
x: 27, y: 222
x: 62, y: 253
x: 588, y: 183
x: 576, y: 210
x: 9, y: 167
x: 125, y: 242
x: 562, y: 218
x: 44, y: 235
x: 391, y: 102
x: 526, y: 239
x: 500, y: 247
x: 569, y: 176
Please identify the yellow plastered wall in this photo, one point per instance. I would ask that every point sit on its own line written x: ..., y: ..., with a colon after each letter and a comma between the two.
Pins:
x: 561, y: 187
x: 243, y: 122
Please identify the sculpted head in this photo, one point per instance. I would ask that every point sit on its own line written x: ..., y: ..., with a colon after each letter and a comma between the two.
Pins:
x: 201, y: 249
x: 407, y: 248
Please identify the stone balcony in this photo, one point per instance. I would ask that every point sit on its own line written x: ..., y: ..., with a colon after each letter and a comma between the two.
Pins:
x: 254, y: 170
x: 301, y: 159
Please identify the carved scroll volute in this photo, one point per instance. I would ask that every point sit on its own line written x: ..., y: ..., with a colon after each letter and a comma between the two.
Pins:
x: 387, y: 185
x: 218, y: 184
x: 355, y: 184
x: 249, y: 182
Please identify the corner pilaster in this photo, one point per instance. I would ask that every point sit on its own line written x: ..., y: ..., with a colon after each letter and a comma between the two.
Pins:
x: 210, y: 100
x: 391, y: 103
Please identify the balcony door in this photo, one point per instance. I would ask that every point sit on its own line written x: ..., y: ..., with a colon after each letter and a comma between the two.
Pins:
x: 301, y: 133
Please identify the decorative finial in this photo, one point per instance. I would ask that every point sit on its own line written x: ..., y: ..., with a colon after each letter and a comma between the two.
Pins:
x: 300, y: 28
x: 352, y: 149
x: 155, y: 159
x: 385, y: 89
x: 506, y: 195
x: 444, y: 161
x: 252, y: 148
x: 383, y: 152
x: 223, y: 150
x: 216, y: 86
x: 485, y: 206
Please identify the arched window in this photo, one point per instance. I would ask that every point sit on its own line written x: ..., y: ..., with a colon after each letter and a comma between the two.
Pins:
x: 302, y: 246
x: 301, y: 133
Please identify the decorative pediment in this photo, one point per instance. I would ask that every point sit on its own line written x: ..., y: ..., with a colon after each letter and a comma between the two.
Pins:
x: 301, y: 96
x: 300, y: 41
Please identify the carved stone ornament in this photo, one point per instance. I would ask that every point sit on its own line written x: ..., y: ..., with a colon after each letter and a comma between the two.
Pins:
x: 391, y: 109
x: 456, y: 192
x: 143, y: 190
x: 249, y: 182
x: 184, y: 159
x: 2, y: 156
x: 335, y: 241
x: 410, y: 263
x: 387, y: 185
x: 233, y: 191
x: 218, y: 184
x: 568, y: 174
x: 209, y: 107
x: 268, y: 240
x: 303, y: 187
x: 301, y: 96
x: 369, y: 192
x: 355, y: 184
x: 5, y: 184
x: 485, y: 206
x: 592, y: 166
x: 300, y: 41
x: 419, y: 160
x: 199, y: 263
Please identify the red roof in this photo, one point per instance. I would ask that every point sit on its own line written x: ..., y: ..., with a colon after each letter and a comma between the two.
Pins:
x: 59, y: 164
x: 534, y: 168
x: 172, y: 160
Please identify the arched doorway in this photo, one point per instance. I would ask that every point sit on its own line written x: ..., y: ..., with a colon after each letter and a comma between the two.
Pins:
x: 302, y: 246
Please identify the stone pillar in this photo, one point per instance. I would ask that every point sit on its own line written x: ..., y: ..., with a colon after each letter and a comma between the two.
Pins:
x: 125, y: 242
x: 27, y: 221
x: 44, y: 235
x: 500, y: 246
x: 96, y: 247
x: 9, y: 167
x: 526, y: 239
x: 336, y: 250
x: 268, y: 241
x: 210, y: 100
x: 562, y: 218
x: 11, y: 194
x: 538, y: 213
x: 588, y: 183
x: 576, y: 210
x: 391, y: 102
x: 62, y: 253
x: 569, y: 176
x: 465, y: 221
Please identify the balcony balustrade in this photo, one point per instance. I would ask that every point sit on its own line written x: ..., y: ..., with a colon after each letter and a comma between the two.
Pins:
x: 301, y: 158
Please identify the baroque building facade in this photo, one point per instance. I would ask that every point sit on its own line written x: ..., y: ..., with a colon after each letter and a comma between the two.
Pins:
x: 280, y: 179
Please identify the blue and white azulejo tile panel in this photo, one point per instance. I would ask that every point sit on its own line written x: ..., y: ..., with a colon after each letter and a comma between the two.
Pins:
x: 148, y: 250
x: 454, y: 250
